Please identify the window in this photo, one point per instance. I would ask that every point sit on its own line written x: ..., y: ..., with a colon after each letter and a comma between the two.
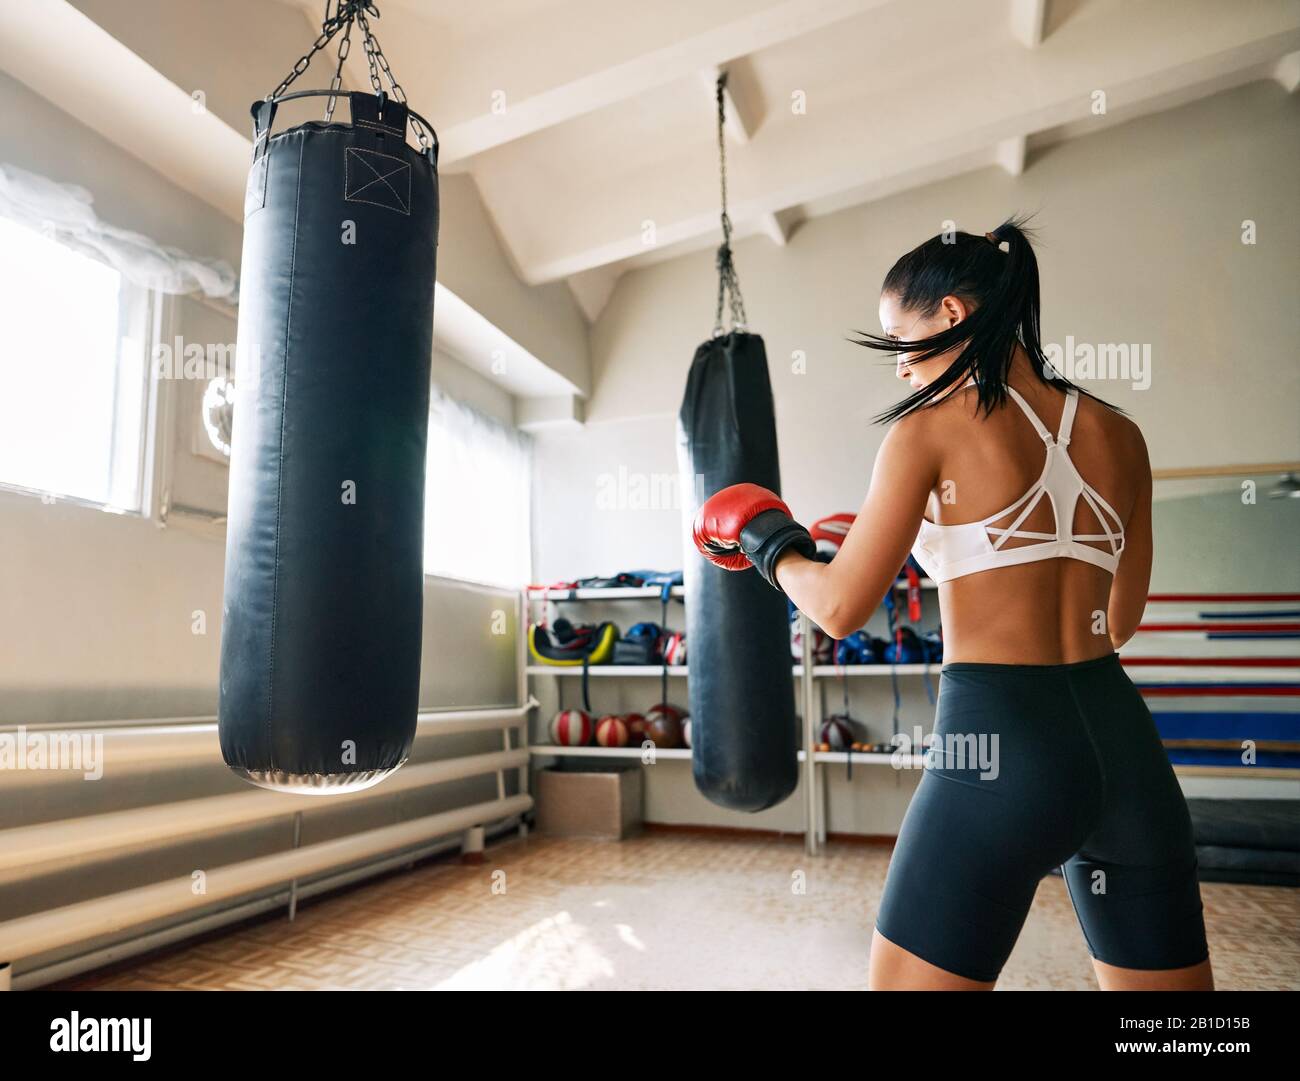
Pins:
x: 476, y: 499
x: 73, y: 372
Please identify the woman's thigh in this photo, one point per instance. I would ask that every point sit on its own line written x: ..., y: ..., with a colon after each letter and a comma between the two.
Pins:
x: 1009, y: 792
x: 892, y: 968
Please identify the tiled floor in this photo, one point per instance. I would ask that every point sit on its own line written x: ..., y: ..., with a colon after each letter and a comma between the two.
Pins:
x: 665, y: 910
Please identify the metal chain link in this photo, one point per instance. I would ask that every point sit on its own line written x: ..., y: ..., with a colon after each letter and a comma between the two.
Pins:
x: 345, y: 14
x: 345, y: 46
x: 368, y: 41
x: 329, y: 28
x: 728, y: 281
x: 379, y: 62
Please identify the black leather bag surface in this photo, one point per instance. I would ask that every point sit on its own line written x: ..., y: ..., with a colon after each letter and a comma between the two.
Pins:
x: 321, y: 636
x: 744, y: 735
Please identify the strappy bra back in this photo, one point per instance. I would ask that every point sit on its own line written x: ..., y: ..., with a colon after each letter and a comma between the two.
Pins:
x: 946, y: 552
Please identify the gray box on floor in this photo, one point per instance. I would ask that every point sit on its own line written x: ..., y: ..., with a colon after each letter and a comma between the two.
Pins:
x: 596, y: 802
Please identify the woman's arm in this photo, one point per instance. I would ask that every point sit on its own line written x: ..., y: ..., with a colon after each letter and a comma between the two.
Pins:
x: 840, y: 596
x: 1128, y: 589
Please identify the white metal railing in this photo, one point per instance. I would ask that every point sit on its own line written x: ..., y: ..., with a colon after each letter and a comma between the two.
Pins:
x: 73, y: 838
x: 194, y: 742
x: 27, y: 936
x: 182, y: 744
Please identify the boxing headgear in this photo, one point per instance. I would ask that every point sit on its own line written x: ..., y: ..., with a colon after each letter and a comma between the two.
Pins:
x: 857, y: 648
x: 829, y: 534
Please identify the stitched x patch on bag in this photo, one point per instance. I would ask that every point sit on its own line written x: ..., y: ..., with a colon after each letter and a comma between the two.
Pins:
x: 381, y: 179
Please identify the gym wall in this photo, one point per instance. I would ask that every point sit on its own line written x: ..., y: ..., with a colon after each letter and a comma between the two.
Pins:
x: 1119, y: 199
x: 73, y: 664
x: 105, y: 602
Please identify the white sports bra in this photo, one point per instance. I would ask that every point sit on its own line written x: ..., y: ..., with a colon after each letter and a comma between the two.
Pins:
x: 946, y: 552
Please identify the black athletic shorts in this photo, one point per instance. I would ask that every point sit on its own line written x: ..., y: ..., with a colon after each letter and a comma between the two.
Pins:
x: 1035, y: 767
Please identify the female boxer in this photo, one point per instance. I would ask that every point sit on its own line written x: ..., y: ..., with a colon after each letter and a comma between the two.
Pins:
x: 1029, y: 501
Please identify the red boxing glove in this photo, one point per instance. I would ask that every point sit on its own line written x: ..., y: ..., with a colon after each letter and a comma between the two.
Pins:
x: 748, y: 525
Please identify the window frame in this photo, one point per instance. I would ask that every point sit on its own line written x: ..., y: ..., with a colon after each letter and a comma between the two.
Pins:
x: 439, y: 397
x: 139, y: 314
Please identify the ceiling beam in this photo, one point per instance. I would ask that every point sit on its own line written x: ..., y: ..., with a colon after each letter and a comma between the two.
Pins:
x: 1287, y: 72
x: 1135, y: 54
x: 1010, y: 154
x: 1029, y: 22
x: 81, y: 68
x: 774, y: 229
x: 561, y: 412
x: 539, y: 89
x: 592, y: 290
x: 78, y: 66
x: 741, y: 116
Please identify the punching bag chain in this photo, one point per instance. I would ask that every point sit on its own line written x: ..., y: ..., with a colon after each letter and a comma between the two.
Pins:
x: 379, y: 62
x: 345, y: 46
x: 331, y: 26
x: 728, y: 282
x: 347, y: 13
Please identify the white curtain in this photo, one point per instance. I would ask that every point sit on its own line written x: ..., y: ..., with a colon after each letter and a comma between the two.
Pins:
x: 477, y: 497
x: 66, y: 213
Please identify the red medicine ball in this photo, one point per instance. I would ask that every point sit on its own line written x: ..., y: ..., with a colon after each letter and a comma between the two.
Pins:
x: 571, y: 728
x: 611, y: 731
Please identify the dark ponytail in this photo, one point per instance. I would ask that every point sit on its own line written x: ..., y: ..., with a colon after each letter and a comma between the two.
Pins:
x: 1003, y: 288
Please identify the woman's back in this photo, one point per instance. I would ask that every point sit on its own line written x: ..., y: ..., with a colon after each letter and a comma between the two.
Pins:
x: 1052, y: 610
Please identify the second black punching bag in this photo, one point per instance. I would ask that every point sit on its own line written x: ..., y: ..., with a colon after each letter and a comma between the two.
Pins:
x: 744, y: 737
x: 320, y: 651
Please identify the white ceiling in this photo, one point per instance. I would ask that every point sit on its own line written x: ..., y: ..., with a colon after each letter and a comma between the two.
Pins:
x: 582, y: 120
x: 583, y: 123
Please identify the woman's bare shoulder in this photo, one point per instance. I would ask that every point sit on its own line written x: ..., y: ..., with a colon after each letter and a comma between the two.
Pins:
x: 1121, y: 429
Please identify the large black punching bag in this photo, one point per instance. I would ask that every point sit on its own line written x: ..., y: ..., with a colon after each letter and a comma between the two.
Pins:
x: 320, y: 651
x: 744, y: 736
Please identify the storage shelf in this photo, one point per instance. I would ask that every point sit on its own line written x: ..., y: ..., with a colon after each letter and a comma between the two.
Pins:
x: 548, y: 750
x: 867, y: 758
x: 829, y: 671
x: 812, y: 779
x: 1140, y: 674
x: 642, y: 670
x: 631, y: 593
x: 622, y: 593
x: 1160, y: 662
x: 862, y: 758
